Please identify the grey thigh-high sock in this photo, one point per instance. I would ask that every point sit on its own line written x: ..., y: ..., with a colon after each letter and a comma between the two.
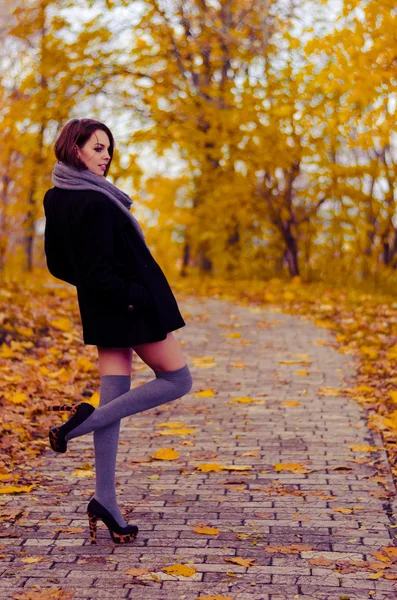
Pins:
x: 168, y: 385
x: 105, y: 445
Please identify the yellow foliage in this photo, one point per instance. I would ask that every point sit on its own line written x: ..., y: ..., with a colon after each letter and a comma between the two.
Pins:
x: 62, y: 323
x: 18, y: 398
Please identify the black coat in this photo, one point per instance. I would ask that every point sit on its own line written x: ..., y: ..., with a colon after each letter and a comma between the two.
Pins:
x: 124, y: 297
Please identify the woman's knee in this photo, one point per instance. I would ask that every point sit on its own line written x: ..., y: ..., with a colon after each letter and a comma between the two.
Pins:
x: 181, y: 378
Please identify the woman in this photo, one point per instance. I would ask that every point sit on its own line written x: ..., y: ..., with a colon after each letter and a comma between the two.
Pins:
x: 93, y: 241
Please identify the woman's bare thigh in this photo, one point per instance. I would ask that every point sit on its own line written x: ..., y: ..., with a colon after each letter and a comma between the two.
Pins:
x: 114, y: 361
x: 165, y: 355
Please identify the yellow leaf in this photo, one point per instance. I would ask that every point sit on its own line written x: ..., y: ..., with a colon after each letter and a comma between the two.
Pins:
x: 369, y: 352
x: 32, y: 559
x: 290, y: 403
x: 84, y: 364
x: 208, y: 467
x: 326, y: 391
x: 361, y: 389
x: 179, y: 569
x: 166, y: 454
x: 302, y: 372
x: 206, y: 530
x: 63, y: 324
x: 153, y: 476
x: 393, y: 396
x: 243, y: 400
x: 18, y: 398
x: 209, y: 393
x: 236, y: 334
x: 93, y: 400
x: 14, y: 489
x: 344, y: 511
x: 375, y: 575
x: 204, y: 362
x: 182, y: 431
x: 239, y: 364
x: 295, y: 362
x: 364, y: 448
x: 296, y: 467
x: 243, y: 562
x: 83, y: 473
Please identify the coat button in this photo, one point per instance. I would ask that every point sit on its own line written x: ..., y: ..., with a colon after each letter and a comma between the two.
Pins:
x: 130, y: 307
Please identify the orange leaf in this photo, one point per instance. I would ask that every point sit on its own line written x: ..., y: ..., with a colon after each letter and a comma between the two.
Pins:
x: 239, y: 560
x: 179, y: 569
x: 206, y: 530
x: 166, y: 454
x: 136, y: 572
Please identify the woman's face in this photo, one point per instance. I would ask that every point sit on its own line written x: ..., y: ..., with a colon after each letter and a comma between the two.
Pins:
x: 95, y: 152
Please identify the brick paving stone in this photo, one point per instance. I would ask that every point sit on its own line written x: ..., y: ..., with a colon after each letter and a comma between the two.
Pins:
x: 261, y: 513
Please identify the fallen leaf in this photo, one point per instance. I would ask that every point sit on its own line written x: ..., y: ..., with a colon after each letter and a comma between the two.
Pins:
x: 180, y: 569
x: 171, y: 425
x: 239, y: 560
x: 136, y: 572
x: 243, y: 400
x: 364, y: 448
x: 166, y: 454
x: 251, y: 453
x: 290, y: 403
x: 14, y: 489
x: 209, y: 393
x: 375, y: 575
x: 203, y: 529
x: 295, y: 467
x: 83, y: 473
x: 207, y: 468
x: 32, y: 559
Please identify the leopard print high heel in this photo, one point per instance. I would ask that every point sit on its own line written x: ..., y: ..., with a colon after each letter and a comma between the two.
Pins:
x: 119, y: 535
x: 80, y: 412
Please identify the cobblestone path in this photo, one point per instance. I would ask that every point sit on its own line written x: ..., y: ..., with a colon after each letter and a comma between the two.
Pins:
x: 297, y: 528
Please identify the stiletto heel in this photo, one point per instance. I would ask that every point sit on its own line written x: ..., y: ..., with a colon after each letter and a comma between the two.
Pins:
x: 92, y: 521
x: 119, y: 535
x: 80, y: 412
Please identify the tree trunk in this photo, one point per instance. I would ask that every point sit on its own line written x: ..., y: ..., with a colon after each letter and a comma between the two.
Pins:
x: 291, y: 251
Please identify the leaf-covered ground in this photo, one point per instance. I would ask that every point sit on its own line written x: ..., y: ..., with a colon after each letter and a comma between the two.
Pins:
x: 265, y: 479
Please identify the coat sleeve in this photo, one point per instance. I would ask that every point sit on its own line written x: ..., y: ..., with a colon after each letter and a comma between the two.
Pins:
x: 96, y: 245
x: 58, y: 263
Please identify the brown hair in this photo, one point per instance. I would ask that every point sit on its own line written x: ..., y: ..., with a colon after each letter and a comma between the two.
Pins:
x: 77, y: 132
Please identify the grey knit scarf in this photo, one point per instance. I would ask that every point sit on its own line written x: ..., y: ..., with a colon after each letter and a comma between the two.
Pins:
x: 69, y: 178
